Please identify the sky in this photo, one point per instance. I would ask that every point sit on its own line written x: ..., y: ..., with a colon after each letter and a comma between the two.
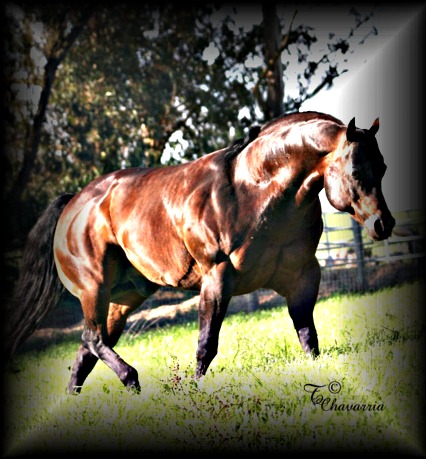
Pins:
x: 385, y: 83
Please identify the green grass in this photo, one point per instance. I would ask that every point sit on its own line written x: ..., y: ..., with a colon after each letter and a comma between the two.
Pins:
x: 253, y: 397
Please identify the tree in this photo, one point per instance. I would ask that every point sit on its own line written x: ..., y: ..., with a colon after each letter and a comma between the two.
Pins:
x: 272, y: 101
x: 55, y: 47
x: 273, y: 106
x: 36, y: 43
x: 133, y: 85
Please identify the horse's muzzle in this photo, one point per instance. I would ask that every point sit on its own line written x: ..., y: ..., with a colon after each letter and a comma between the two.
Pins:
x: 379, y: 227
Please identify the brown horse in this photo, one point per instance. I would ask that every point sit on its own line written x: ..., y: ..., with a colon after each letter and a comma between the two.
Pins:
x: 235, y: 220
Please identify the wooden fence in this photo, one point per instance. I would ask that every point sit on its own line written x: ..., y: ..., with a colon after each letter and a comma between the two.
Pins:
x: 345, y: 245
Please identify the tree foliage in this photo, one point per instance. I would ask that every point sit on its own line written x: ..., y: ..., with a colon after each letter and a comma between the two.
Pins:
x: 140, y: 84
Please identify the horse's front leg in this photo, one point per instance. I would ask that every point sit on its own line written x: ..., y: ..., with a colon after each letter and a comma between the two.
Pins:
x: 216, y: 292
x: 301, y: 292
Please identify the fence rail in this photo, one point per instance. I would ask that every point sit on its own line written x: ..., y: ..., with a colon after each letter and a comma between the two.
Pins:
x: 345, y: 248
x: 406, y: 242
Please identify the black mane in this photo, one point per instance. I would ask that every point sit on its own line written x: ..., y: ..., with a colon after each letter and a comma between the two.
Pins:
x: 238, y: 145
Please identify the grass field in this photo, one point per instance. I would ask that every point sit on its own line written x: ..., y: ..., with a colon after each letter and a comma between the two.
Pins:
x: 364, y: 393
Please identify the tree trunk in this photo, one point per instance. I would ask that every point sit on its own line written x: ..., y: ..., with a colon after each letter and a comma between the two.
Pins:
x: 274, y: 104
x: 58, y: 54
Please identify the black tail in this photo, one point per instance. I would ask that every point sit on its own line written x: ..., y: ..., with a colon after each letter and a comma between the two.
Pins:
x: 38, y: 288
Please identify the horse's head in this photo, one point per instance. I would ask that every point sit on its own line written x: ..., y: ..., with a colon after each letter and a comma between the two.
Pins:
x: 352, y: 180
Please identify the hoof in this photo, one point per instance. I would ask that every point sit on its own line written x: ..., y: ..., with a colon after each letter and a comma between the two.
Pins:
x: 131, y: 380
x: 134, y: 388
x: 73, y: 390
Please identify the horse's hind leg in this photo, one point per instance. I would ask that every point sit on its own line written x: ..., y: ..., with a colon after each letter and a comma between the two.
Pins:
x: 93, y: 340
x: 83, y: 365
x: 97, y: 343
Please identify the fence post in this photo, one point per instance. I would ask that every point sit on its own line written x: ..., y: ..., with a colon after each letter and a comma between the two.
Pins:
x: 359, y: 250
x: 327, y: 239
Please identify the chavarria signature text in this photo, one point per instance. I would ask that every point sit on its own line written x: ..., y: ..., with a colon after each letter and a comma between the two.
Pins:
x: 328, y: 401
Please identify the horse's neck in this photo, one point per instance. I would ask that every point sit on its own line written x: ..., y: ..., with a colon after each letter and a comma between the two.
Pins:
x: 287, y: 173
x: 288, y: 160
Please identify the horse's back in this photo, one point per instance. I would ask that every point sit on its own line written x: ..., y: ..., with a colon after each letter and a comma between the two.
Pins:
x: 156, y: 216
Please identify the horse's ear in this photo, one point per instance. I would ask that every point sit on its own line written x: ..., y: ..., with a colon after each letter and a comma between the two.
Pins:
x: 350, y: 132
x: 374, y: 127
